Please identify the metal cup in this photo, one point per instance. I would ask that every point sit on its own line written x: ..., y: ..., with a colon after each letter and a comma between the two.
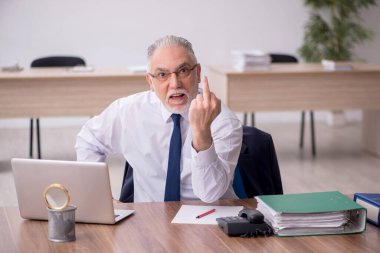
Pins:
x: 61, y: 224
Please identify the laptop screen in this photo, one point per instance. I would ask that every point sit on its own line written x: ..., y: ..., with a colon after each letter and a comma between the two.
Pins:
x: 88, y: 184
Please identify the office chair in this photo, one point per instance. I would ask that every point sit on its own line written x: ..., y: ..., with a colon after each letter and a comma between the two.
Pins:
x: 51, y: 61
x: 257, y: 171
x: 284, y: 58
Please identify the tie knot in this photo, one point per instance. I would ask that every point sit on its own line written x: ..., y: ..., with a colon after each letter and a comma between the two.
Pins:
x: 176, y: 118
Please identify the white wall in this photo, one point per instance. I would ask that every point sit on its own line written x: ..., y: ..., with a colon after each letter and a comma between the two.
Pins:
x: 370, y: 51
x: 117, y: 32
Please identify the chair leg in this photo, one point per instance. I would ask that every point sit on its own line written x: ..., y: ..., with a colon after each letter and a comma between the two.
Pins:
x: 38, y: 138
x: 245, y: 119
x: 313, y: 149
x: 252, y: 119
x: 302, y: 128
x: 31, y: 138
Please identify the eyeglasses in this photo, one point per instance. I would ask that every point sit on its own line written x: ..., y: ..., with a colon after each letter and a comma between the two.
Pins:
x: 181, y: 73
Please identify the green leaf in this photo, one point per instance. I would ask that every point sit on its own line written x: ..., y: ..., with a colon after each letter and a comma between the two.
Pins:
x: 335, y: 38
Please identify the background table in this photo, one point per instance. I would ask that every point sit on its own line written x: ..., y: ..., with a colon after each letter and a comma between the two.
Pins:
x: 285, y: 87
x: 150, y: 230
x: 41, y: 92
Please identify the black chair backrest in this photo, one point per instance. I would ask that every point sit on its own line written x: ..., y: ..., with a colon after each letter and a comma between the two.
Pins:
x: 58, y: 61
x: 258, y: 164
x: 278, y: 58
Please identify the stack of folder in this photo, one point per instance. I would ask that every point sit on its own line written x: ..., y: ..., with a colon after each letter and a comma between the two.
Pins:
x: 317, y: 213
x: 250, y: 60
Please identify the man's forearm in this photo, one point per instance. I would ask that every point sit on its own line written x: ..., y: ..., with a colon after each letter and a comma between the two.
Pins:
x: 211, y: 174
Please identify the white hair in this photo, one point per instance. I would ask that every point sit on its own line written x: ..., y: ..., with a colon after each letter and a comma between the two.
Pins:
x: 169, y: 41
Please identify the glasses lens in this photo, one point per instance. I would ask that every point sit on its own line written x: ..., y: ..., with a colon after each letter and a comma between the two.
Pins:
x: 184, y: 72
x: 162, y: 76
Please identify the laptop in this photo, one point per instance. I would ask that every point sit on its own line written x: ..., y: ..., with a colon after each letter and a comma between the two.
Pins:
x: 87, y: 182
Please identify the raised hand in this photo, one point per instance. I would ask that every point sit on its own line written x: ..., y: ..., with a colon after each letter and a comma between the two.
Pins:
x: 203, y: 110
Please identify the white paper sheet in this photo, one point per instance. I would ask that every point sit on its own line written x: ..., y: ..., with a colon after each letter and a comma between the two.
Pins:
x: 187, y: 214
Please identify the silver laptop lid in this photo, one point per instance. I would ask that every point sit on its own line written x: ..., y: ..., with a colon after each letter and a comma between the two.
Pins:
x: 87, y: 182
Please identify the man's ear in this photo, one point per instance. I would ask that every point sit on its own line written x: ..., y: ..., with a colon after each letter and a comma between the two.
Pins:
x: 199, y: 68
x: 150, y: 81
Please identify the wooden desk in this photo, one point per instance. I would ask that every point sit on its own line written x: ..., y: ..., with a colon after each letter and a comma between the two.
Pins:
x: 150, y: 230
x: 285, y: 87
x: 297, y: 87
x: 40, y: 92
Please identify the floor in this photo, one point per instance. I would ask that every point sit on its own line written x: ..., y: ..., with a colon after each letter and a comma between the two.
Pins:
x: 340, y: 163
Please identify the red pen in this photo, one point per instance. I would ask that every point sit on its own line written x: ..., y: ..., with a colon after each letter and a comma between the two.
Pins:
x: 206, y: 213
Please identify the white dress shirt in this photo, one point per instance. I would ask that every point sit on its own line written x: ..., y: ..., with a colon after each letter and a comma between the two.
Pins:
x: 140, y: 128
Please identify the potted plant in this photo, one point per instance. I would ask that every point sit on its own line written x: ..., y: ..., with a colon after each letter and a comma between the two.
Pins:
x: 334, y: 29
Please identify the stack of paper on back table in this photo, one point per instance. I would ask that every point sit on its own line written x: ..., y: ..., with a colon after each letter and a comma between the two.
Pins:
x: 250, y: 60
x: 336, y: 65
x: 312, y: 213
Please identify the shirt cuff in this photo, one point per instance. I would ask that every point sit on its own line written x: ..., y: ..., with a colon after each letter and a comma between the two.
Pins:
x: 203, y: 159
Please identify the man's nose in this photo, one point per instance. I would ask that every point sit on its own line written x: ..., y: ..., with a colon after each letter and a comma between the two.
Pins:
x: 174, y: 81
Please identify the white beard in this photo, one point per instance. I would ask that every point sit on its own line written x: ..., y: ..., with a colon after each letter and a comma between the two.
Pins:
x: 178, y: 109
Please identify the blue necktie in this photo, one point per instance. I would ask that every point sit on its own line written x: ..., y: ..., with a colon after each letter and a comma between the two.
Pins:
x: 173, y: 178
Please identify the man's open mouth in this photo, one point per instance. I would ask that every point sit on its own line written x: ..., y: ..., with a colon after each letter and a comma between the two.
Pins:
x: 179, y: 95
x: 178, y: 98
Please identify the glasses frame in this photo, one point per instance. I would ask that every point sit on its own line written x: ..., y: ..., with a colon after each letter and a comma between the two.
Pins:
x: 176, y: 72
